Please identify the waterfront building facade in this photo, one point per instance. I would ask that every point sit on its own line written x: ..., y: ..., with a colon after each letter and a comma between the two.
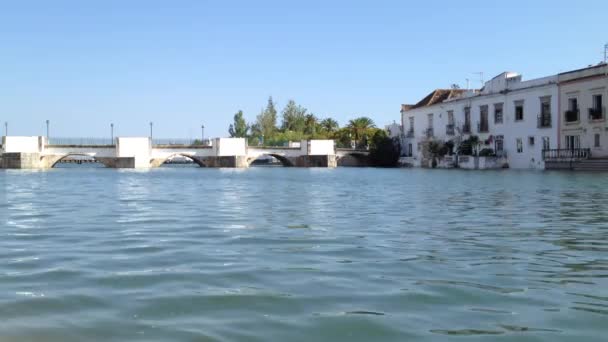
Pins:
x: 583, y: 125
x: 511, y: 119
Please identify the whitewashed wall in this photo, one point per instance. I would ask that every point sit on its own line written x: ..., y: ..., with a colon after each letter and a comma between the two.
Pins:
x: 591, y: 82
x: 530, y: 92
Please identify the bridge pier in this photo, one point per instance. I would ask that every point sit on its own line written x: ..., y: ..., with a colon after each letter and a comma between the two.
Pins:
x: 329, y: 161
x: 19, y: 160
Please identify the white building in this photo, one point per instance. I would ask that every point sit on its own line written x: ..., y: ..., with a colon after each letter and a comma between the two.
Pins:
x: 583, y: 125
x: 394, y: 130
x: 514, y: 119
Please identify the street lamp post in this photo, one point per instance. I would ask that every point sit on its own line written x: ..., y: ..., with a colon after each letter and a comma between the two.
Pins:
x: 6, y: 128
x: 112, y: 133
x: 202, y: 134
x: 47, y: 129
x: 151, y: 124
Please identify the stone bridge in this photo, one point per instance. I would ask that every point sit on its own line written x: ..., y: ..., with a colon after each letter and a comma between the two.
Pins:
x: 128, y: 152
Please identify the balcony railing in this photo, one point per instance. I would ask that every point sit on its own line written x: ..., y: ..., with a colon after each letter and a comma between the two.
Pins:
x: 449, y: 129
x: 482, y: 127
x: 596, y: 114
x: 572, y: 115
x: 466, y: 128
x: 544, y: 121
x: 409, y: 133
x: 566, y: 154
x: 429, y: 132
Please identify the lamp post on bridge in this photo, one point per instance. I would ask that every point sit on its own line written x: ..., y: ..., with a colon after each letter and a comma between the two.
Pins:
x: 202, y: 134
x: 47, y: 129
x: 112, y: 133
x: 151, y: 124
x: 6, y: 128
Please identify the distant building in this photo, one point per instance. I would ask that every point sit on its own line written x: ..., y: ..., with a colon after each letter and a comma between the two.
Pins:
x: 394, y: 130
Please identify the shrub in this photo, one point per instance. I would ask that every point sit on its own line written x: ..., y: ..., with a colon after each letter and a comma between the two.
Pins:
x: 486, y: 152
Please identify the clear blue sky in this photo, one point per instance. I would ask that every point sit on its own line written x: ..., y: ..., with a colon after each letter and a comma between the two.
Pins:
x: 84, y: 64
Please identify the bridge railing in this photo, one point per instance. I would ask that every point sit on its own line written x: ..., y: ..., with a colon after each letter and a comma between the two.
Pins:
x: 179, y: 142
x: 80, y: 141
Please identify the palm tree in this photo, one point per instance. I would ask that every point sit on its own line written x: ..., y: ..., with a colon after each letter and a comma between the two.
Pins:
x: 310, y: 122
x: 329, y: 125
x: 359, y: 127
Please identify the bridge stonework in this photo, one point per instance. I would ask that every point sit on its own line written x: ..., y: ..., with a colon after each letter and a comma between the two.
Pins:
x: 36, y: 153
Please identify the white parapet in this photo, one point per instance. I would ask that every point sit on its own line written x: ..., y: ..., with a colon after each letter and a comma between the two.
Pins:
x: 320, y: 148
x: 230, y: 147
x: 16, y: 144
x: 135, y: 147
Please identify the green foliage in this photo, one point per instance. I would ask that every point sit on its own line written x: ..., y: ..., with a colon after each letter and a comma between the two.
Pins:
x: 384, y: 151
x: 294, y: 117
x: 298, y: 124
x: 240, y: 128
x: 266, y: 121
x: 468, y: 146
x: 310, y: 124
x: 486, y: 152
x: 329, y: 126
x: 361, y: 129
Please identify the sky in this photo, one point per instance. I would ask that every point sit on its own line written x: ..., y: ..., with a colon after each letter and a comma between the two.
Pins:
x: 183, y: 64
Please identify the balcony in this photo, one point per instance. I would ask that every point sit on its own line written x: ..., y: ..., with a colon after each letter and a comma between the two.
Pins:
x: 429, y: 132
x: 543, y: 121
x: 449, y: 129
x: 409, y: 133
x: 572, y: 115
x: 570, y: 154
x: 597, y: 114
x: 466, y: 128
x: 482, y: 127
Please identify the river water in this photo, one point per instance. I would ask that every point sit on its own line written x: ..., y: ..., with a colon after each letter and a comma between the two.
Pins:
x: 288, y: 254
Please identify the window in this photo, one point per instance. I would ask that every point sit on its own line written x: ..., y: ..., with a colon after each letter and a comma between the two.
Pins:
x: 544, y: 120
x: 519, y: 110
x: 450, y: 117
x: 573, y: 142
x: 531, y: 141
x: 467, y: 120
x: 498, y: 113
x: 572, y: 112
x: 596, y: 140
x: 546, y: 143
x: 597, y: 102
x: 520, y: 145
x: 597, y: 111
x: 410, y: 151
x: 430, y: 118
x: 483, y: 119
x: 499, y: 143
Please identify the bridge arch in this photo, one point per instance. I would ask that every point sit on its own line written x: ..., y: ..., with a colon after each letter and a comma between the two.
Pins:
x: 52, y: 161
x: 160, y: 161
x: 285, y: 161
x: 353, y: 159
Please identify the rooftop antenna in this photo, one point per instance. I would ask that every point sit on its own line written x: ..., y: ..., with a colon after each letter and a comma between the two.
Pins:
x: 606, y: 53
x: 480, y: 77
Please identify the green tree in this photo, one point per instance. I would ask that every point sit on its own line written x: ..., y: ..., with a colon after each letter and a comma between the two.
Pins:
x: 240, y: 127
x: 266, y: 121
x: 360, y: 128
x: 384, y: 151
x: 310, y: 124
x: 329, y: 126
x: 294, y: 117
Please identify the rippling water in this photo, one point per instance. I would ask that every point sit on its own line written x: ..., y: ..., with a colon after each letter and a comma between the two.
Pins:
x: 303, y: 255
